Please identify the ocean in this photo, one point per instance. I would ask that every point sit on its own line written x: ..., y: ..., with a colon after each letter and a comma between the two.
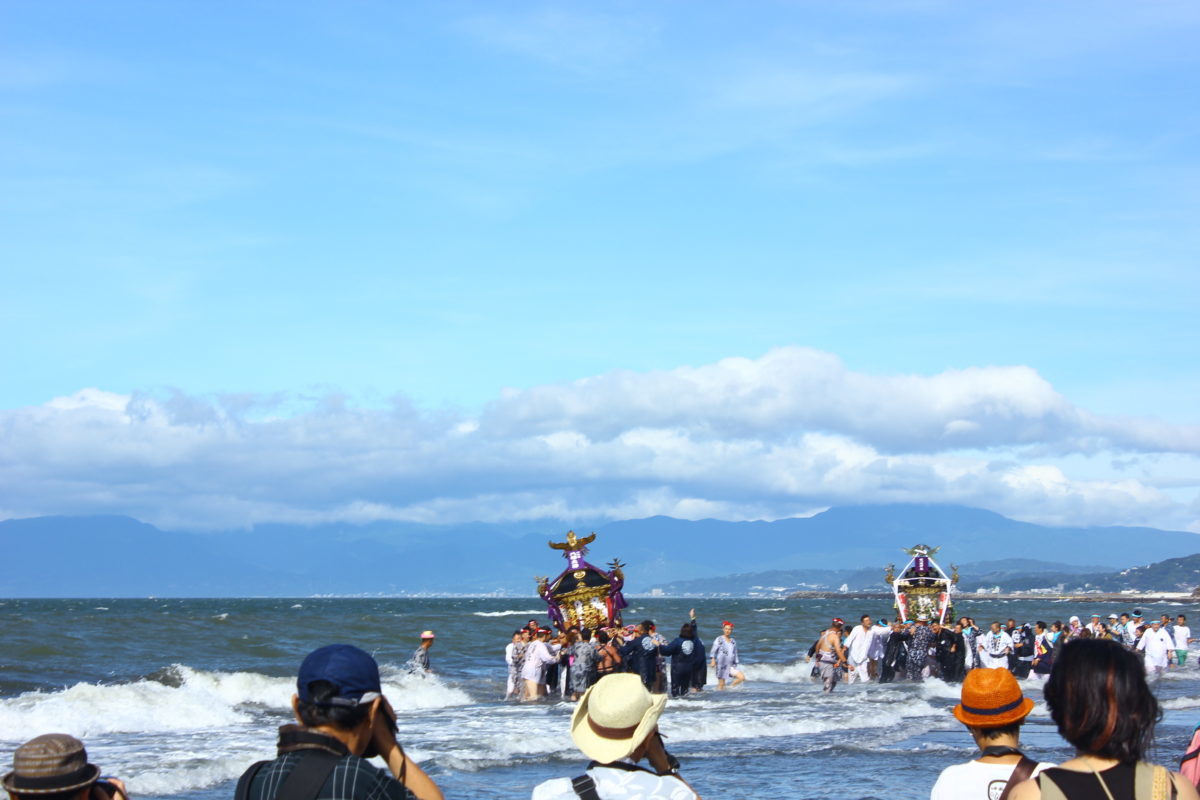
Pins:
x: 178, y: 696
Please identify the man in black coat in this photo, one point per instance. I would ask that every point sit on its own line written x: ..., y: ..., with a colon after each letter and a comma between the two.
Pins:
x: 640, y: 654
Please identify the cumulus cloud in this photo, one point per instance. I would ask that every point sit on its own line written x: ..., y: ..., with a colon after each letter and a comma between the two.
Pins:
x: 777, y: 436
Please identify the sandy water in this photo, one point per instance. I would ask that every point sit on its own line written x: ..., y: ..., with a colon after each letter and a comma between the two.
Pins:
x: 179, y: 696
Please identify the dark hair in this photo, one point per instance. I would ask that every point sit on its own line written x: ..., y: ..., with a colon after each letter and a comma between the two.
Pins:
x: 686, y: 630
x: 519, y: 632
x: 586, y: 634
x: 1013, y: 729
x: 648, y: 624
x: 1040, y: 624
x: 316, y: 713
x: 864, y: 616
x: 1098, y: 698
x: 602, y: 637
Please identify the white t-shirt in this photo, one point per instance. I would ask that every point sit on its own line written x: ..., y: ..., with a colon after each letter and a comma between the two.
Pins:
x: 618, y: 784
x: 1182, y: 634
x: 975, y: 781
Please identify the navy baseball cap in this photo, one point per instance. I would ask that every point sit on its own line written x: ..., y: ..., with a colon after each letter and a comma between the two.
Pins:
x: 351, y: 670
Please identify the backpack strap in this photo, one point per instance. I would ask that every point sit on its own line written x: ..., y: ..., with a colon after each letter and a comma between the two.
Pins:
x: 1020, y: 774
x: 243, y: 785
x: 305, y: 780
x: 585, y: 787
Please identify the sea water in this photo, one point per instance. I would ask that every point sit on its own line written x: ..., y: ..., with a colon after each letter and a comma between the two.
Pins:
x: 179, y: 696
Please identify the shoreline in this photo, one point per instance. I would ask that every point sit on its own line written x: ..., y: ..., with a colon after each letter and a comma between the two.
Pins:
x: 1127, y: 597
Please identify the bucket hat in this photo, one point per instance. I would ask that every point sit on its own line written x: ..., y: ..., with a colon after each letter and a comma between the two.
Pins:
x: 50, y: 764
x: 991, y: 698
x: 614, y: 716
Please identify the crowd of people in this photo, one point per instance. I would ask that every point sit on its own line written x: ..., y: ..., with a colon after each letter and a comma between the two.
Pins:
x: 914, y: 650
x: 1097, y: 694
x: 542, y: 662
x: 1095, y: 687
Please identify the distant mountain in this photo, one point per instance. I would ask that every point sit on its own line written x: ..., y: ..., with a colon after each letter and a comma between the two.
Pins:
x: 1171, y: 575
x: 119, y: 556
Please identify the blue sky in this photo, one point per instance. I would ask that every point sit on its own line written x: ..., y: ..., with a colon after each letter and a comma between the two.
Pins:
x: 255, y: 215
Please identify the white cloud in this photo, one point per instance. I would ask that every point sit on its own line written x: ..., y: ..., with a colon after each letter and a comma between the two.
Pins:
x: 771, y: 437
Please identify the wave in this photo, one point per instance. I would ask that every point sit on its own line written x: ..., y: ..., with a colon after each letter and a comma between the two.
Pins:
x: 770, y: 609
x: 180, y: 699
x: 513, y: 613
x: 831, y: 714
x: 1180, y: 702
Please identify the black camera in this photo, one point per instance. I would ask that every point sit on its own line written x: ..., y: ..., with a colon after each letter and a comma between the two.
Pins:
x: 104, y: 789
x: 372, y: 750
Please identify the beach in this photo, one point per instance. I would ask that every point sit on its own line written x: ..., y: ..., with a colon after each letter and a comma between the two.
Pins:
x: 178, y: 696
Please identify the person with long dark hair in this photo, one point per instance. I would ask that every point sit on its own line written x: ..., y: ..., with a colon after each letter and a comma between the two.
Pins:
x: 1098, y: 697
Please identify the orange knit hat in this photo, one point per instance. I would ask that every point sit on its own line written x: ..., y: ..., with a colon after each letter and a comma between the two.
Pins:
x: 991, y: 698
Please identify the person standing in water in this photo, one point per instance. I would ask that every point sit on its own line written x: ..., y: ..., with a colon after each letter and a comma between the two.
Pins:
x: 725, y: 657
x: 420, y: 659
x: 831, y: 656
x: 514, y: 656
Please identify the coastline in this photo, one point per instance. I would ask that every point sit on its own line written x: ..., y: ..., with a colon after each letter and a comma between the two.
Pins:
x: 1122, y: 597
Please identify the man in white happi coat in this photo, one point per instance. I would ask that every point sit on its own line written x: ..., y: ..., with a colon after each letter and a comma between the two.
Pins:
x: 863, y: 648
x: 1156, y: 644
x: 994, y: 647
x: 539, y: 654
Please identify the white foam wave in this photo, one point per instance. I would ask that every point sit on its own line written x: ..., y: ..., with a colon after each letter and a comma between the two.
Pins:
x: 841, y: 716
x: 512, y: 613
x: 413, y: 691
x: 1181, y: 702
x: 222, y: 617
x: 770, y: 609
x: 793, y: 672
x: 183, y: 772
x: 200, y: 701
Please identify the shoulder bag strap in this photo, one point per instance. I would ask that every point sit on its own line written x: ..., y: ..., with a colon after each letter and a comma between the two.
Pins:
x: 1050, y: 790
x: 1152, y: 782
x: 585, y: 787
x: 1020, y: 774
x: 308, y: 776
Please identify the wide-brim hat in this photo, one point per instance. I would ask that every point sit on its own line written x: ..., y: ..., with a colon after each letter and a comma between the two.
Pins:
x: 50, y: 764
x: 991, y: 698
x: 614, y: 716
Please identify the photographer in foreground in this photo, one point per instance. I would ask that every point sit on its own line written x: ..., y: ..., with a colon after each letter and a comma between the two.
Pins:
x: 616, y: 725
x: 344, y: 720
x: 54, y: 766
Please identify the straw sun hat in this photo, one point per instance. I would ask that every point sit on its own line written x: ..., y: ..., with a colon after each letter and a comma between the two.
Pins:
x: 991, y: 698
x: 614, y: 716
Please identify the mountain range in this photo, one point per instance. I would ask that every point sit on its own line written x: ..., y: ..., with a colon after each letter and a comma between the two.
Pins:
x: 121, y: 557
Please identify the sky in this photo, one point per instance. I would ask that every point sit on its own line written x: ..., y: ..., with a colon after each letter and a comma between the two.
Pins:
x: 313, y: 262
